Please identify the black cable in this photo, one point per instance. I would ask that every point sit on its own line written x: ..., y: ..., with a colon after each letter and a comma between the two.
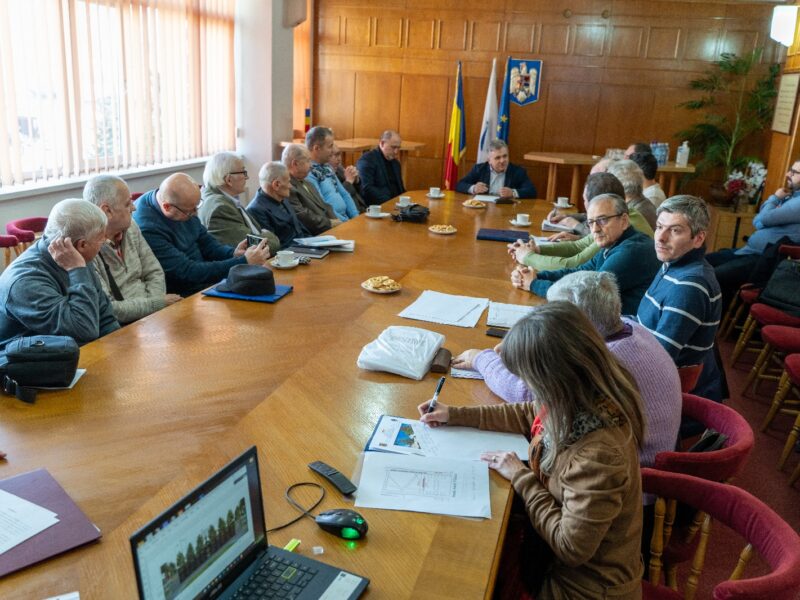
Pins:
x: 305, y: 512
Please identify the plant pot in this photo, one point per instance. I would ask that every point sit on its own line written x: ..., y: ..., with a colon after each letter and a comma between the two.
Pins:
x: 718, y: 195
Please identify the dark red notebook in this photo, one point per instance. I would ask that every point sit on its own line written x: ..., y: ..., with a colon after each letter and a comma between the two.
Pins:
x: 73, y: 528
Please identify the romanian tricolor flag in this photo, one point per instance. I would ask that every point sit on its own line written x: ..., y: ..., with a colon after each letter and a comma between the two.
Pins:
x: 456, y: 141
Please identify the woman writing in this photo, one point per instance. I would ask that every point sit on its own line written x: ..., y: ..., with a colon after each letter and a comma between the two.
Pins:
x: 582, y: 491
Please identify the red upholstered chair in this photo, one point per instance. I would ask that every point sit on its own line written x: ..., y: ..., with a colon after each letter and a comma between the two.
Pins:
x: 779, y: 340
x: 716, y: 465
x: 747, y: 296
x: 25, y: 230
x: 789, y: 251
x: 136, y: 195
x: 9, y: 244
x: 790, y: 382
x: 775, y: 540
x: 689, y: 376
x: 760, y: 316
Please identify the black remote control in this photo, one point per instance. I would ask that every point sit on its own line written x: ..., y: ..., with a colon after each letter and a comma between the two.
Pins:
x: 342, y: 483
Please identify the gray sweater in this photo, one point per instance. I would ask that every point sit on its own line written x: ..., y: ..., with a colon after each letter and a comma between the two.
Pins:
x: 38, y: 297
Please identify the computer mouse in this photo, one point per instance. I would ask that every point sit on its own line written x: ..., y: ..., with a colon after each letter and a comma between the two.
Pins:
x: 345, y: 523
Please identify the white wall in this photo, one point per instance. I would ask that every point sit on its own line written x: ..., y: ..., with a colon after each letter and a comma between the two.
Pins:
x: 263, y: 54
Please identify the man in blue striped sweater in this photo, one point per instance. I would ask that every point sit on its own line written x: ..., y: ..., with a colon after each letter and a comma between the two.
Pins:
x: 682, y: 306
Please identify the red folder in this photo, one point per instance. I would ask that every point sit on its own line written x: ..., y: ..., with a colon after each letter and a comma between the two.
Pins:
x: 73, y: 528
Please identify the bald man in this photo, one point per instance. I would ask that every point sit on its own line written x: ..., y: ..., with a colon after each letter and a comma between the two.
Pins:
x: 191, y: 258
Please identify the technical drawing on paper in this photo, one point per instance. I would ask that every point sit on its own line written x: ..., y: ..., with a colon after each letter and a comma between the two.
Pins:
x: 411, y: 482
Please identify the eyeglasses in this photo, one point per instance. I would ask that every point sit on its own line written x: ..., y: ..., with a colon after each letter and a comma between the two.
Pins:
x: 244, y: 172
x: 189, y: 213
x: 601, y: 221
x: 793, y: 172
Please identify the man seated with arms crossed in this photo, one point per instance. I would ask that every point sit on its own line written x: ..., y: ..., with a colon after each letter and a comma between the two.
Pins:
x: 597, y: 295
x: 128, y: 270
x: 319, y: 141
x: 51, y: 289
x: 190, y: 256
x: 381, y: 175
x: 348, y: 176
x: 624, y: 251
x: 778, y: 217
x: 220, y: 212
x: 497, y: 176
x: 574, y: 252
x: 682, y: 307
x: 649, y: 166
x: 270, y: 208
x: 308, y: 205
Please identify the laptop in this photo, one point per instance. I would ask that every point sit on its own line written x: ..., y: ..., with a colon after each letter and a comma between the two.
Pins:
x: 213, y: 544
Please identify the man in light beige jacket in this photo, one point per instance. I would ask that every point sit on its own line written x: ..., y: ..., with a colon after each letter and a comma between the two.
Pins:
x: 129, y: 272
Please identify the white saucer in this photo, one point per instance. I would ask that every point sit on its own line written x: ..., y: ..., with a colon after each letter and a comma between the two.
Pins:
x: 515, y: 224
x: 378, y: 216
x: 439, y: 197
x: 274, y: 263
x: 567, y: 206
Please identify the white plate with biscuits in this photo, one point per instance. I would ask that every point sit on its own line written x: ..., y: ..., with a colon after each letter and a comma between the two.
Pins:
x: 381, y: 285
x: 442, y: 229
x: 472, y: 203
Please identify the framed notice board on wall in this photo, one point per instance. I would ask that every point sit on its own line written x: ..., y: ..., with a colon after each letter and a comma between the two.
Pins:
x: 784, y: 105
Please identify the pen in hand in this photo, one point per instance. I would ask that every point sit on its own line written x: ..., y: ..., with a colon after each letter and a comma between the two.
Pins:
x: 432, y: 405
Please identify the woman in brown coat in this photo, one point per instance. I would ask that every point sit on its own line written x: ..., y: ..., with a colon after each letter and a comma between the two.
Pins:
x: 582, y: 490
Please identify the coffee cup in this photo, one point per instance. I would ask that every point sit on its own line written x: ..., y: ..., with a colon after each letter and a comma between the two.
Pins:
x: 523, y: 218
x: 563, y: 202
x: 285, y: 258
x: 404, y: 200
x: 374, y: 210
x: 435, y: 191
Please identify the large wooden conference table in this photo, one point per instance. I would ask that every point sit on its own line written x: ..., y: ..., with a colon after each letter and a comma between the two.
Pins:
x: 170, y: 399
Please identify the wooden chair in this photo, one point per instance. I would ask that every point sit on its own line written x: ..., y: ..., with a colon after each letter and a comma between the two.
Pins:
x: 760, y: 315
x: 782, y: 403
x: 763, y: 530
x: 717, y: 465
x: 25, y: 230
x: 743, y: 300
x: 10, y: 245
x: 779, y: 340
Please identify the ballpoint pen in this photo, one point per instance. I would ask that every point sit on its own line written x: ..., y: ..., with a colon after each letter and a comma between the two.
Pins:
x: 432, y: 405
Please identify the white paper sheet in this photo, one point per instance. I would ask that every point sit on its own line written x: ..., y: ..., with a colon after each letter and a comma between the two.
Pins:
x: 433, y: 485
x: 322, y: 241
x: 410, y: 436
x: 485, y: 197
x: 446, y: 309
x: 78, y: 374
x: 464, y: 373
x: 506, y: 315
x: 548, y: 226
x: 21, y: 520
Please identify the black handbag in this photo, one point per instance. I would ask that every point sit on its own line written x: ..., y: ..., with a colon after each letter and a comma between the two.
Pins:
x: 783, y: 288
x: 413, y: 213
x: 38, y: 361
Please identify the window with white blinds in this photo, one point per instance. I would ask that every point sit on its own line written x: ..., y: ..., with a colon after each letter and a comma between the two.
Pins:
x: 97, y: 85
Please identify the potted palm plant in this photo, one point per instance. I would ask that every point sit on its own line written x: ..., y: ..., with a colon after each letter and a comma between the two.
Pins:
x: 737, y: 101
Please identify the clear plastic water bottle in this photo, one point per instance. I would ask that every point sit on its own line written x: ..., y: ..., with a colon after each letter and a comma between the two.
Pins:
x: 682, y: 156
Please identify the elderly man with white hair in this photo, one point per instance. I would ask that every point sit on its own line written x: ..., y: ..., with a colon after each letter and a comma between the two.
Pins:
x: 597, y: 295
x: 51, y: 289
x: 632, y: 178
x: 128, y: 270
x: 308, y: 205
x: 224, y: 180
x: 270, y: 206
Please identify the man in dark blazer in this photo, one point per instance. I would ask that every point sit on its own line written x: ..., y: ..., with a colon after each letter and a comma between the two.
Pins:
x: 379, y: 169
x: 311, y: 210
x: 270, y: 206
x: 497, y: 176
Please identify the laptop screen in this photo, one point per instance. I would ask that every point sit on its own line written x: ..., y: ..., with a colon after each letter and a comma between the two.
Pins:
x: 196, y: 546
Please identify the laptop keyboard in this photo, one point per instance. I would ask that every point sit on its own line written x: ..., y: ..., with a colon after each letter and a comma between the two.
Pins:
x: 276, y: 577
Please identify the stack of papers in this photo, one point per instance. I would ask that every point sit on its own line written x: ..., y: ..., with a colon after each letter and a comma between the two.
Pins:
x: 21, y: 520
x: 446, y: 309
x: 547, y: 225
x: 506, y: 315
x: 410, y: 466
x: 464, y: 373
x: 327, y: 241
x: 485, y: 197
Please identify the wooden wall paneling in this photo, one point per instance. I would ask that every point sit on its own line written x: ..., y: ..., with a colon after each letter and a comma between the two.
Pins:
x: 702, y: 43
x: 377, y: 103
x: 334, y: 99
x: 423, y: 101
x: 571, y: 117
x: 554, y: 38
x: 389, y: 31
x: 420, y: 33
x: 627, y: 41
x: 624, y: 116
x: 486, y: 36
x: 663, y: 42
x: 520, y: 37
x: 357, y: 30
x: 329, y: 31
x: 452, y: 34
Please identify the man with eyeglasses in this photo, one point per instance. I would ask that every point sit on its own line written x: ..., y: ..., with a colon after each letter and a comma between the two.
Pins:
x: 381, y: 176
x: 224, y: 180
x: 191, y: 258
x: 627, y: 253
x: 682, y: 306
x: 778, y: 217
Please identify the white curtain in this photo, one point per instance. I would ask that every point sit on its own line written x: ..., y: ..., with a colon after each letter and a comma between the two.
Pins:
x: 96, y: 85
